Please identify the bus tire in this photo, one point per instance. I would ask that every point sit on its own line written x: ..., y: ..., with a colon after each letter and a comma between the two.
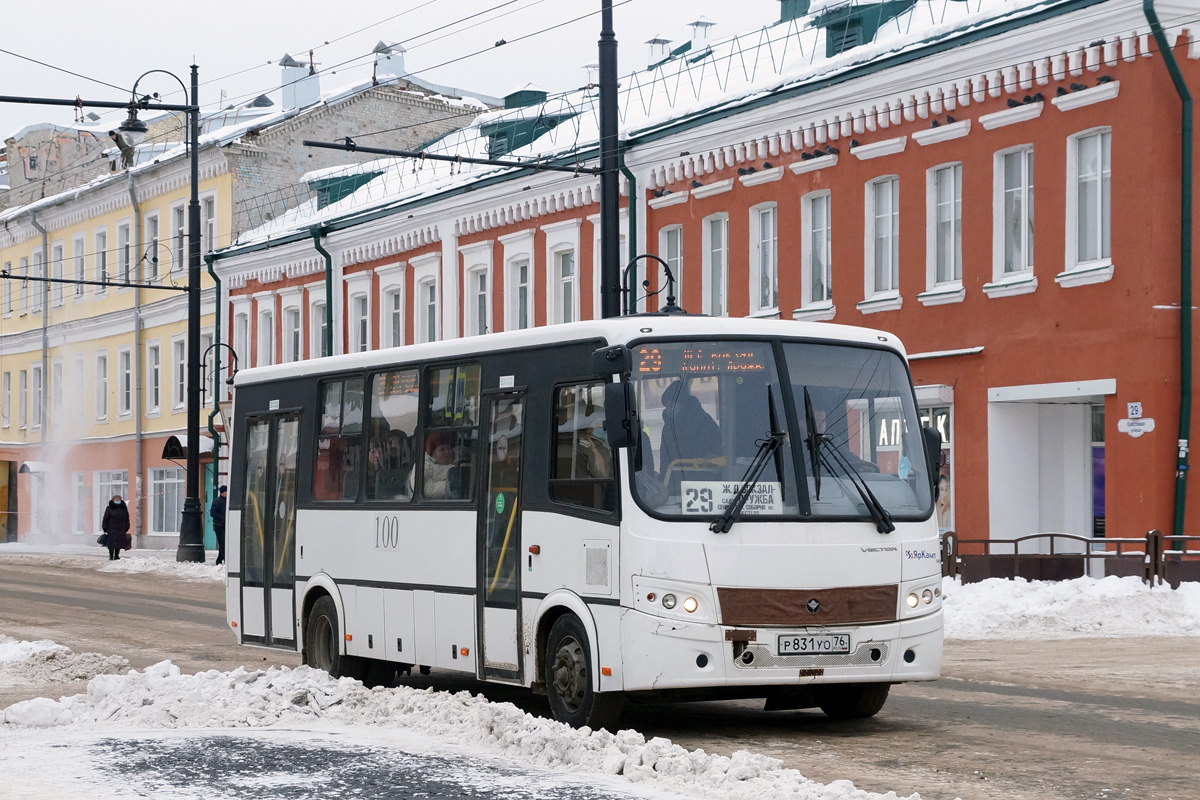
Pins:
x: 567, y: 665
x: 323, y: 639
x: 854, y: 700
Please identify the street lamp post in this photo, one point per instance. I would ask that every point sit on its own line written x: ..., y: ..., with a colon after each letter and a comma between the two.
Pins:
x: 133, y: 130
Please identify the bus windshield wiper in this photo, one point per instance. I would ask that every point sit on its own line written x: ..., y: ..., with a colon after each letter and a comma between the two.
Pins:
x: 766, y: 448
x: 812, y: 442
x: 880, y: 515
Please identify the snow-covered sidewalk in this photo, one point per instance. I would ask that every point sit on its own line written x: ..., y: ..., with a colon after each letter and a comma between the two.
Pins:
x: 157, y: 562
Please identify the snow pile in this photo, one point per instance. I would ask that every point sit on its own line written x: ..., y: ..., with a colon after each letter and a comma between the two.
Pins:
x: 188, y: 571
x: 1107, y: 607
x: 163, y: 697
x: 23, y: 663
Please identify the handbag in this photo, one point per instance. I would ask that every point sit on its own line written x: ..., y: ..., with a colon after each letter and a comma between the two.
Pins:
x: 102, y: 540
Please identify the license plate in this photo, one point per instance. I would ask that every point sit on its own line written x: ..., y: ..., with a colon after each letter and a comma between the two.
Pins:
x: 806, y: 645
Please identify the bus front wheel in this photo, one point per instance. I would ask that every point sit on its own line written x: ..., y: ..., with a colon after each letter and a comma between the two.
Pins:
x: 567, y: 663
x: 322, y: 641
x: 854, y: 700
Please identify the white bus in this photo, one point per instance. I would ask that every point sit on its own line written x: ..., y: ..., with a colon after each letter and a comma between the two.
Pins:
x: 651, y: 507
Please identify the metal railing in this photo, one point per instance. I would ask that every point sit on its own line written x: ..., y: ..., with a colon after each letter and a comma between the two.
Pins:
x: 1155, y: 558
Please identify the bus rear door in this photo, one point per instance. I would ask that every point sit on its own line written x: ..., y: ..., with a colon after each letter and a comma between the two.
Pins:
x: 500, y: 539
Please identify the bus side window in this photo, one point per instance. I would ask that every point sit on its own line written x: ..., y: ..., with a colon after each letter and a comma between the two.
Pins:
x: 581, y: 472
x: 339, y: 441
x: 395, y: 400
x: 450, y: 449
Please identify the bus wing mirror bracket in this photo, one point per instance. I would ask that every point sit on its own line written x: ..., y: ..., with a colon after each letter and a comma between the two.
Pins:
x: 620, y: 417
x: 615, y: 360
x: 933, y: 454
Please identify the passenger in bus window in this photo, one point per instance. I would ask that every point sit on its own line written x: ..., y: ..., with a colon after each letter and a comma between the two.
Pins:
x: 688, y: 431
x: 439, y: 461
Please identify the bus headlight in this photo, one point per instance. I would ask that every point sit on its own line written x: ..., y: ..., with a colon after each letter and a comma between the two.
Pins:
x: 912, y: 600
x: 690, y: 605
x: 668, y: 601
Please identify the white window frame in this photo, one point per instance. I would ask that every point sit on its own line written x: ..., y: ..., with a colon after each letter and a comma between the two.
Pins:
x: 79, y: 272
x: 124, y: 382
x: 107, y: 482
x: 79, y: 504
x: 1097, y: 270
x: 23, y: 271
x: 707, y: 258
x: 391, y: 305
x: 877, y: 298
x: 206, y: 341
x: 56, y: 392
x: 264, y: 352
x: 100, y: 259
x: 941, y: 289
x: 763, y: 255
x: 476, y: 262
x: 125, y: 255
x: 814, y: 308
x: 518, y: 250
x: 561, y: 237
x: 5, y: 399
x: 209, y: 215
x: 153, y: 377
x: 239, y: 329
x: 22, y: 399
x: 427, y: 273
x: 291, y: 302
x: 37, y: 269
x: 58, y: 256
x: 1006, y: 283
x: 166, y: 489
x: 151, y: 258
x: 7, y: 299
x: 179, y: 248
x: 597, y: 263
x: 79, y: 384
x: 359, y: 288
x: 178, y: 373
x: 37, y: 388
x: 100, y: 364
x: 671, y: 236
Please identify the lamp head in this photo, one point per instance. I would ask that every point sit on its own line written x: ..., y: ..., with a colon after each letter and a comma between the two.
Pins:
x: 133, y: 130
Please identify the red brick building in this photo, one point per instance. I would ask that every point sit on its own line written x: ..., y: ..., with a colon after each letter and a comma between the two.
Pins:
x: 999, y: 183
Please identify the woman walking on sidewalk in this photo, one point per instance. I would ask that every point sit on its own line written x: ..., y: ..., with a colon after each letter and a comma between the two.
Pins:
x: 116, y: 525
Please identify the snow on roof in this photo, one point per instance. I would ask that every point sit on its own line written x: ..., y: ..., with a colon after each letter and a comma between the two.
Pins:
x: 729, y: 72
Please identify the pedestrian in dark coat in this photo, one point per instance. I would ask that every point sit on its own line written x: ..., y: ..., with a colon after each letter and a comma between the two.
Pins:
x: 116, y: 525
x: 217, y: 512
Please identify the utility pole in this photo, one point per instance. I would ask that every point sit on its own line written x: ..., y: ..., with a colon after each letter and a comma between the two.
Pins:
x: 610, y: 239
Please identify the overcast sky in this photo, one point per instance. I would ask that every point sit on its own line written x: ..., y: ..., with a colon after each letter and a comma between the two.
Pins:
x: 237, y: 44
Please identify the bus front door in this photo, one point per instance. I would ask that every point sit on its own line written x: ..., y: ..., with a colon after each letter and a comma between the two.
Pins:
x: 269, y: 531
x: 500, y: 539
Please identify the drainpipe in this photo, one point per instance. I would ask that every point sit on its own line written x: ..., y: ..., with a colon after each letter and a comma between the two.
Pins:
x: 1185, y: 270
x: 209, y: 259
x: 629, y: 176
x: 315, y: 231
x: 45, y: 319
x: 139, y: 435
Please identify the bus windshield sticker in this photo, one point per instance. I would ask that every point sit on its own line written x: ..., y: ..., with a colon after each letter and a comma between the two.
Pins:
x: 713, y: 497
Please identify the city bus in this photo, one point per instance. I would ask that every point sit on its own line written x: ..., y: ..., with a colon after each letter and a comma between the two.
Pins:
x: 646, y: 508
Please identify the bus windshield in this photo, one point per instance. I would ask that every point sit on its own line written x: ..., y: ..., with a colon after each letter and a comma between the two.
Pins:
x: 707, y: 409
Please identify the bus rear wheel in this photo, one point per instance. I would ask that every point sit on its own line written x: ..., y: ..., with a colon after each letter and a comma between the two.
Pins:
x: 567, y: 664
x: 322, y: 641
x: 854, y: 700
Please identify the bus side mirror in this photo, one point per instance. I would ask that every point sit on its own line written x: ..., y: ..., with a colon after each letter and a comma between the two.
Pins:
x: 933, y: 454
x: 620, y: 417
x: 614, y: 360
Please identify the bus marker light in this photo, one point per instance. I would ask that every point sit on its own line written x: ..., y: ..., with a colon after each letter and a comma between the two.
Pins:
x: 234, y: 624
x: 349, y: 637
x: 912, y: 600
x: 535, y: 549
x: 690, y: 605
x: 466, y: 651
x: 606, y: 671
x: 650, y: 597
x: 668, y: 601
